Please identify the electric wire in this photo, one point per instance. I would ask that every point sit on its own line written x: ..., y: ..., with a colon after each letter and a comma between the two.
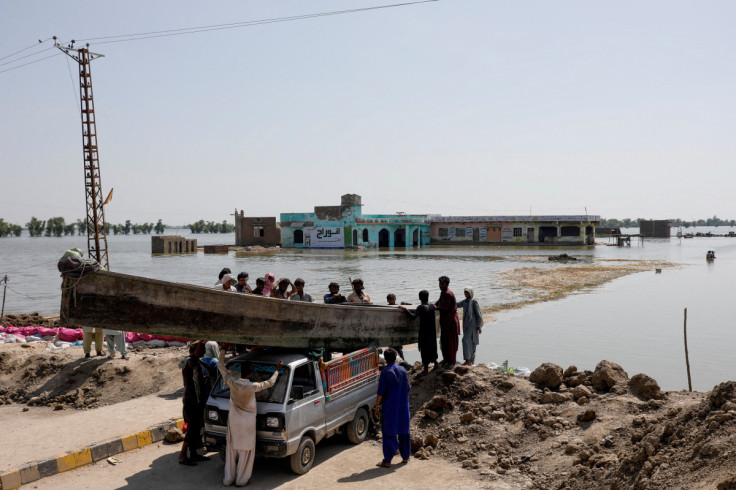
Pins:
x: 215, y: 27
x: 26, y: 56
x: 25, y: 49
x: 29, y: 63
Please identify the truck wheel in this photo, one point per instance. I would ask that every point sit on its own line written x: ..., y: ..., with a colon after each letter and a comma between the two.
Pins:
x: 303, y: 459
x: 358, y: 427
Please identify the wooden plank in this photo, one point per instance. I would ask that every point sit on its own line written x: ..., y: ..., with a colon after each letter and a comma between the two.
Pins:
x: 138, y: 304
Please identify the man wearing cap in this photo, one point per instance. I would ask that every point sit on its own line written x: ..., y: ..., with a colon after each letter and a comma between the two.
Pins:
x: 227, y: 283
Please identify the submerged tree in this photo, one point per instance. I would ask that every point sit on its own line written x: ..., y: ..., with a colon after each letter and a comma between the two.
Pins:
x: 36, y: 226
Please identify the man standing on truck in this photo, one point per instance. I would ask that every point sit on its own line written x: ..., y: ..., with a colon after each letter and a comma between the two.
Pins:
x: 393, y: 392
x: 241, y: 420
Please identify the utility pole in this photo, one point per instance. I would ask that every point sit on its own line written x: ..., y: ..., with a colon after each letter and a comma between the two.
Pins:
x: 96, y: 233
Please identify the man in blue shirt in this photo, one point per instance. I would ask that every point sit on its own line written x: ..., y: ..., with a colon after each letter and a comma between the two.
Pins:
x: 393, y: 392
x: 334, y: 297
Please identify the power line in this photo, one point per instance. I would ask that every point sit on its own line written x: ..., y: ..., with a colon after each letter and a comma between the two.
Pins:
x: 25, y: 49
x: 24, y: 57
x: 29, y: 63
x: 215, y: 27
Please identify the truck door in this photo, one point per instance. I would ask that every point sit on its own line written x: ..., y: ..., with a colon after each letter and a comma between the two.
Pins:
x: 309, y: 411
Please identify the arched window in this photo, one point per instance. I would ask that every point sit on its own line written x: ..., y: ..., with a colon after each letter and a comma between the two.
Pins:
x: 365, y: 235
x: 298, y: 236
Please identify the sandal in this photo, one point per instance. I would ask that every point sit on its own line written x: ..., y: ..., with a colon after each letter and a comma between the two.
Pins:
x: 187, y: 462
x: 384, y: 464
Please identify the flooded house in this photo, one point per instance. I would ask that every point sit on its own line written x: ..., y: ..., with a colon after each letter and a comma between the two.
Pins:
x: 249, y: 230
x: 513, y: 230
x: 345, y: 226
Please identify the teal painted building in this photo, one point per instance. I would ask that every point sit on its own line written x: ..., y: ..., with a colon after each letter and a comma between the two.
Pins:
x: 345, y: 226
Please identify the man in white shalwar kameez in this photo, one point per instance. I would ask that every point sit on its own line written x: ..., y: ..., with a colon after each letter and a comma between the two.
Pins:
x: 241, y: 422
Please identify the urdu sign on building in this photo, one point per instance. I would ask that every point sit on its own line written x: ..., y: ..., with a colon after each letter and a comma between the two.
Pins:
x: 324, y: 237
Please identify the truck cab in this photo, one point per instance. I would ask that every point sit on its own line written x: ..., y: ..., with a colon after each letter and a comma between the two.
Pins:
x: 309, y: 401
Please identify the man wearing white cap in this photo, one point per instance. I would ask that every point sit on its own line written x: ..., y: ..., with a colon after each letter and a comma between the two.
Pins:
x: 227, y: 283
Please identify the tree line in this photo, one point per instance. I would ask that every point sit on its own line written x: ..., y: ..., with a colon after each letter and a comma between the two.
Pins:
x: 211, y: 227
x: 58, y: 226
x: 634, y: 223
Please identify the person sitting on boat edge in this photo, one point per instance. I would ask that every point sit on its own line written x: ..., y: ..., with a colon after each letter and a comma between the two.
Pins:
x: 334, y: 297
x: 224, y: 271
x: 299, y: 294
x: 260, y: 283
x: 242, y: 285
x: 226, y: 284
x: 358, y: 296
x: 280, y: 292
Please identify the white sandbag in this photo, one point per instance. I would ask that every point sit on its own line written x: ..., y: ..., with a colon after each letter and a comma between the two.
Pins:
x: 522, y: 371
x: 176, y: 343
x: 155, y: 343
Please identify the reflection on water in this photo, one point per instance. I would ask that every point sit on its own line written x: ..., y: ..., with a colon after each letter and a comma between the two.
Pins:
x: 635, y: 320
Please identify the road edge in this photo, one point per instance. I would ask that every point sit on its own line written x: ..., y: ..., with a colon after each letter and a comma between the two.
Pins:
x: 30, y: 472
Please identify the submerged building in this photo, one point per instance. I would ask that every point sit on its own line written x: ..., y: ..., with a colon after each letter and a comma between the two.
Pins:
x: 262, y: 231
x: 656, y: 228
x: 346, y: 226
x: 513, y: 230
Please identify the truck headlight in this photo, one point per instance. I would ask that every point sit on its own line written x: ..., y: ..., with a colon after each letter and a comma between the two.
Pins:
x: 212, y: 415
x: 272, y: 422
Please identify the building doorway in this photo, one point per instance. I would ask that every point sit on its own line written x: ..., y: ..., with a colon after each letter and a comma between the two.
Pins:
x: 298, y: 236
x: 355, y: 238
x: 400, y: 238
x: 547, y: 231
x: 383, y: 238
x: 415, y: 238
x: 365, y: 235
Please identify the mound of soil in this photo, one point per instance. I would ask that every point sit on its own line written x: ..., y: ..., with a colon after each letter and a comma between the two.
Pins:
x: 514, y: 432
x: 30, y: 320
x: 29, y: 374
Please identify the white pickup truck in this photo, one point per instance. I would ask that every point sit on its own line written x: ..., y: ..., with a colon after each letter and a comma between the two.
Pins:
x: 311, y: 400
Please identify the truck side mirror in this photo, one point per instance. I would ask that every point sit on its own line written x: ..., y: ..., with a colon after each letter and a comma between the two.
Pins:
x: 297, y: 392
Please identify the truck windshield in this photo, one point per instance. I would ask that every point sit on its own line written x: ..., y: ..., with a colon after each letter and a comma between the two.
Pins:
x: 261, y: 372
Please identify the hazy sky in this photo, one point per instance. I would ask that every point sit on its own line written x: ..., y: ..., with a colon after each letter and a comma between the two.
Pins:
x: 466, y: 107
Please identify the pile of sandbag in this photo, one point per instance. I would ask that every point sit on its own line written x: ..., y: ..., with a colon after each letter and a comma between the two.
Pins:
x: 62, y: 337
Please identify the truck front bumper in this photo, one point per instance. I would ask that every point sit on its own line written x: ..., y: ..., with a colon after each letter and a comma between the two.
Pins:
x: 271, y: 448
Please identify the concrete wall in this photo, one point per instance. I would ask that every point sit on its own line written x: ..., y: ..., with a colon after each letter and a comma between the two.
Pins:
x: 655, y: 228
x: 172, y: 244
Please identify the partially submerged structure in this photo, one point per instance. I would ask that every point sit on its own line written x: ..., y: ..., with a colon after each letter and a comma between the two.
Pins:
x: 656, y: 228
x: 250, y: 230
x: 513, y: 230
x: 346, y: 226
x: 173, y: 244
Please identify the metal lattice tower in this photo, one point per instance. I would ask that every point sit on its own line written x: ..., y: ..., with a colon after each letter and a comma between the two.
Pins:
x: 96, y: 233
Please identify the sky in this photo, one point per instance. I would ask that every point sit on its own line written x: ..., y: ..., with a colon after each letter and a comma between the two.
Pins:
x: 454, y: 107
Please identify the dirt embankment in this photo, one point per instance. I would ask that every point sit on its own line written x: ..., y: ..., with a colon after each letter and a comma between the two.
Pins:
x: 576, y: 430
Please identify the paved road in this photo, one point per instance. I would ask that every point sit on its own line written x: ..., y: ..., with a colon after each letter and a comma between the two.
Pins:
x: 337, y: 465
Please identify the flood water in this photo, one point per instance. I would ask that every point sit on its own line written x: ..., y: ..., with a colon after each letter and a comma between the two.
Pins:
x: 635, y: 321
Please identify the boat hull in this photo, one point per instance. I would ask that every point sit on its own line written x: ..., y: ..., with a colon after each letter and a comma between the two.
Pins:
x: 138, y: 304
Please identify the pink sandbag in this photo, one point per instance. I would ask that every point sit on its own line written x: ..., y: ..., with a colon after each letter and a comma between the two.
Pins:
x: 43, y: 331
x: 67, y: 334
x: 145, y: 337
x: 2, y: 329
x: 11, y: 329
x: 29, y: 331
x: 131, y: 337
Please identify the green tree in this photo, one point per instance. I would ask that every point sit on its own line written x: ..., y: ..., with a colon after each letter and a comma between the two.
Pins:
x: 81, y: 227
x: 127, y: 227
x: 55, y: 226
x: 36, y: 226
x: 70, y: 229
x: 159, y: 228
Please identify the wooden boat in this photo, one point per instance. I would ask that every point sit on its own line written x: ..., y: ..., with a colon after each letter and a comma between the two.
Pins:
x: 138, y: 304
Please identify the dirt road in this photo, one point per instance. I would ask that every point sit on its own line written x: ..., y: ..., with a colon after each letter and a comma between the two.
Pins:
x: 337, y: 464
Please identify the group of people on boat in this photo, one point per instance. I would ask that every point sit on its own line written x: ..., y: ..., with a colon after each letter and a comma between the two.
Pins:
x: 447, y: 305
